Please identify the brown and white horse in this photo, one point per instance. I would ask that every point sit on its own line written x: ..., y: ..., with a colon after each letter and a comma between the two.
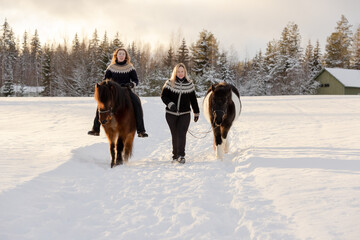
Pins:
x: 116, y: 115
x: 221, y: 106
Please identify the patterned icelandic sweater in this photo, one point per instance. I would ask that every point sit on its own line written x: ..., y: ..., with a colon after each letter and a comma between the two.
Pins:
x: 122, y: 73
x: 182, y: 94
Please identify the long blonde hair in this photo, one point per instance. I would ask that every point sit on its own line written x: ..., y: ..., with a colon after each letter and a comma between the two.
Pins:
x: 173, y: 74
x: 127, y: 57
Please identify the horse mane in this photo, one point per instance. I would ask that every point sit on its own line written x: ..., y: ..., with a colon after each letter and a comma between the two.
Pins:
x: 109, y: 90
x: 223, y: 87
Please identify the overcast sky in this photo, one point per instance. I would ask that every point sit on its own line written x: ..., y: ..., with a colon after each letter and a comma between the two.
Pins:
x: 245, y: 25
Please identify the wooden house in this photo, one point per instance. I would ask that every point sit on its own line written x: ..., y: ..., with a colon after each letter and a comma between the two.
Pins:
x: 338, y: 81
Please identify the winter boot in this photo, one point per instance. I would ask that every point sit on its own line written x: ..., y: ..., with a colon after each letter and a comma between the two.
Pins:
x: 143, y: 134
x: 181, y: 160
x: 94, y: 133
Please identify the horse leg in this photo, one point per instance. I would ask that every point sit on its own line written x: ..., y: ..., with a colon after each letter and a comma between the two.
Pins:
x: 219, y: 151
x: 119, y: 150
x: 112, y: 153
x: 218, y: 142
x: 128, y: 146
x: 226, y: 147
x: 224, y: 133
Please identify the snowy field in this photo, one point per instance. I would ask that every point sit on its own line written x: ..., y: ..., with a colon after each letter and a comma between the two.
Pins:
x: 293, y: 172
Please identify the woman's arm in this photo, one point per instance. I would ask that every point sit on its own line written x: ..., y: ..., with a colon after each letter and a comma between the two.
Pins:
x: 107, y: 74
x: 165, y: 96
x: 194, y: 103
x: 133, y: 77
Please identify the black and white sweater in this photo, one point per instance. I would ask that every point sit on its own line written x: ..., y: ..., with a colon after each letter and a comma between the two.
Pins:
x: 122, y: 73
x: 182, y: 94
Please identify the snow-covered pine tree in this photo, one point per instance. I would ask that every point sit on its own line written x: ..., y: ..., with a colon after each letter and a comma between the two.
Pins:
x: 169, y: 61
x: 183, y: 55
x: 140, y: 63
x: 36, y: 60
x: 338, y: 51
x: 62, y: 71
x: 95, y: 67
x: 233, y: 63
x: 115, y: 44
x: 2, y: 52
x: 258, y: 76
x: 310, y: 68
x: 81, y: 73
x: 74, y: 81
x: 134, y: 53
x: 200, y: 54
x: 316, y: 64
x: 205, y: 55
x: 157, y: 73
x: 144, y: 62
x: 271, y: 58
x: 46, y: 72
x: 355, y: 63
x: 25, y: 64
x: 289, y: 76
x: 244, y: 75
x: 315, y: 68
x: 9, y: 59
x: 203, y: 82
x: 154, y: 80
x: 105, y: 53
x: 76, y: 51
x: 275, y: 65
x: 213, y: 50
x: 226, y: 73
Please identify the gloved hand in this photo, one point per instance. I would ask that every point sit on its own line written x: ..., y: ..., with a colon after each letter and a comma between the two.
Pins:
x: 196, y: 118
x: 130, y: 85
x: 172, y: 107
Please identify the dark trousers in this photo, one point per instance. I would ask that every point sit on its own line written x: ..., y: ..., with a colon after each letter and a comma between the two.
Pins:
x: 178, y: 127
x: 139, y: 116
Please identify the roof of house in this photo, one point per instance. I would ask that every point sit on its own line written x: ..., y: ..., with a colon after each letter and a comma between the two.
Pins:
x: 348, y: 77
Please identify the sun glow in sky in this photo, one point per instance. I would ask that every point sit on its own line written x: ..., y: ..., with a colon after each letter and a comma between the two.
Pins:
x: 244, y: 25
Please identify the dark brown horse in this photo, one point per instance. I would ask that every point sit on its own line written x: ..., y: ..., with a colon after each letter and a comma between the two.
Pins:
x: 221, y: 107
x: 116, y: 115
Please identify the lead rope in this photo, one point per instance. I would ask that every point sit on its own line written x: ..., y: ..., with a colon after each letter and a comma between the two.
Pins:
x: 192, y: 133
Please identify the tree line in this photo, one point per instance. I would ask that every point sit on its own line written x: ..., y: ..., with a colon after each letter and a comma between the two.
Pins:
x: 285, y: 68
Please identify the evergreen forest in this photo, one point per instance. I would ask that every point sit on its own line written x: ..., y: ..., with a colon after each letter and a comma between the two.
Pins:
x: 72, y: 69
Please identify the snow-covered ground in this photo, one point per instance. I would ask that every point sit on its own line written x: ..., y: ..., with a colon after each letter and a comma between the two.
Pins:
x: 293, y: 172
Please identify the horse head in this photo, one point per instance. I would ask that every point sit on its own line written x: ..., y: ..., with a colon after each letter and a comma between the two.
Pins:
x: 219, y: 103
x: 104, y: 97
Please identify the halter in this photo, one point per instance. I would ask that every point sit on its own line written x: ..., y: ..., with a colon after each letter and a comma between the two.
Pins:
x: 221, y: 111
x: 224, y: 112
x: 222, y: 118
x: 105, y: 111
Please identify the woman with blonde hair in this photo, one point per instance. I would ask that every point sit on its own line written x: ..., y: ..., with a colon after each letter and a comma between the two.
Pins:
x: 178, y: 94
x: 122, y: 71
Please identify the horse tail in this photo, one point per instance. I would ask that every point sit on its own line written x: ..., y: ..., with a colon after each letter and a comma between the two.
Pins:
x: 128, y: 145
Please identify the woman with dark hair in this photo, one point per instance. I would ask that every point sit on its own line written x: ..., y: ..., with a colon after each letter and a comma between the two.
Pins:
x: 122, y: 71
x: 178, y: 94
